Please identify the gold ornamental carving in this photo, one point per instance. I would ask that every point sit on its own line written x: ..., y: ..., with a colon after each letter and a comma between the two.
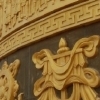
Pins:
x: 69, y: 17
x: 68, y: 67
x: 16, y: 12
x: 8, y: 85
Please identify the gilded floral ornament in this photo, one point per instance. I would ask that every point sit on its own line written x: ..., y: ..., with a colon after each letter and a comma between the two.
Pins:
x: 8, y: 85
x: 67, y: 67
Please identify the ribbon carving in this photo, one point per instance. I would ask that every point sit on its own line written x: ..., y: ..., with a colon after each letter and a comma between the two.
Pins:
x: 67, y: 67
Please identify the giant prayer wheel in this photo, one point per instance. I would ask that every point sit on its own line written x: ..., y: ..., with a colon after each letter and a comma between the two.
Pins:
x: 49, y: 49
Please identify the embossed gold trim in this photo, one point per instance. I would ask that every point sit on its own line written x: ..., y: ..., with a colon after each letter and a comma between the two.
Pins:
x: 19, y: 12
x: 67, y: 18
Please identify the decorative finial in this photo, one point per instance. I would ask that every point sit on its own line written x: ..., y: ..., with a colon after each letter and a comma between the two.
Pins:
x: 62, y: 43
x: 62, y: 46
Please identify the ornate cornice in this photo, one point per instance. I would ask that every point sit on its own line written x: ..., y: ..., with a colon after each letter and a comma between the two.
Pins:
x: 69, y: 17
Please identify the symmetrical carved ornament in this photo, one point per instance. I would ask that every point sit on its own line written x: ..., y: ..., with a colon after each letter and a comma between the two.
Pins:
x: 8, y: 85
x: 68, y: 67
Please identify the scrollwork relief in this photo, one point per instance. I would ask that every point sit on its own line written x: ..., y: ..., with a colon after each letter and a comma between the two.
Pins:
x: 68, y: 67
x: 8, y: 85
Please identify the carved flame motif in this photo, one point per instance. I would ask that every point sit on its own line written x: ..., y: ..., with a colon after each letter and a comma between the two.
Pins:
x: 8, y: 85
x: 65, y: 68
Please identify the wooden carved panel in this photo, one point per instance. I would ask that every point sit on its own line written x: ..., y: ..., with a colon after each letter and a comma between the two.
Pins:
x: 68, y: 67
x: 8, y: 85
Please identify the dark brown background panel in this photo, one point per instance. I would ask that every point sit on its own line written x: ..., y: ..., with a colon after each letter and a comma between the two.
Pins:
x: 28, y: 74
